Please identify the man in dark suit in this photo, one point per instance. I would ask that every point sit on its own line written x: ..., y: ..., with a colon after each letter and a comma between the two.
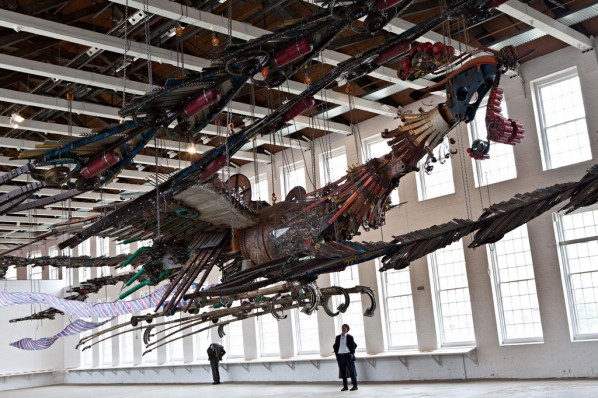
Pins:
x: 344, y: 349
x: 215, y: 354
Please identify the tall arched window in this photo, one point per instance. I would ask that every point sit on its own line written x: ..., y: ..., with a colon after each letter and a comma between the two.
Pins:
x: 399, y: 311
x: 354, y: 314
x: 268, y: 336
x: 306, y: 326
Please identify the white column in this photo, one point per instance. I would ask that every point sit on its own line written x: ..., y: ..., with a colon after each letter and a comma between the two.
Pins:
x: 422, y: 303
x: 138, y: 347
x: 188, y: 347
x: 373, y: 326
x: 325, y: 323
x: 250, y: 338
x: 285, y: 336
x: 115, y: 344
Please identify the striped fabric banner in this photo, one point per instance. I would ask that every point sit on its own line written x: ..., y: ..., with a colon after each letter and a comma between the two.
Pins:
x: 83, y: 309
x: 76, y: 327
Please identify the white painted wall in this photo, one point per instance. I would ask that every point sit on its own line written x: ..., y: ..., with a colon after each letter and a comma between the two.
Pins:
x: 556, y: 357
x: 20, y: 368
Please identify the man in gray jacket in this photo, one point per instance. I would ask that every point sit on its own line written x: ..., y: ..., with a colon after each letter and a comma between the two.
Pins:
x: 215, y: 354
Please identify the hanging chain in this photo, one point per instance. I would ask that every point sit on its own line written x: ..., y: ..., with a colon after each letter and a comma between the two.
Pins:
x: 229, y: 131
x: 148, y: 44
x: 356, y: 132
x: 124, y: 75
x: 230, y: 22
x: 179, y: 30
x: 463, y: 159
x: 256, y: 170
x: 229, y: 116
x: 480, y: 188
x: 157, y: 190
x: 150, y: 82
x: 312, y: 148
x: 70, y: 250
x: 326, y: 142
x: 273, y: 176
x: 270, y: 101
x: 69, y: 98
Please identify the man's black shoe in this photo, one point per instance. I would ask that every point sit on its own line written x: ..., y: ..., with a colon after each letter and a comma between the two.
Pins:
x: 216, y: 382
x: 344, y: 389
x: 354, y: 388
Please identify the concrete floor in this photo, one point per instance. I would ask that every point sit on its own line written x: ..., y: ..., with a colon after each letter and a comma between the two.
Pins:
x: 561, y: 388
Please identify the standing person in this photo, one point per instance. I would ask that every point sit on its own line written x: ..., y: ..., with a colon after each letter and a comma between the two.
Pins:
x: 215, y: 354
x: 344, y: 349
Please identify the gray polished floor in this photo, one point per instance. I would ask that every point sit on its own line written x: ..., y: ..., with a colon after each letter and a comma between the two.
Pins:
x: 562, y: 388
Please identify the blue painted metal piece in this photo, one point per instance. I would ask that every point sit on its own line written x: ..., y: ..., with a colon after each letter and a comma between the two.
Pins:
x: 108, y: 132
x: 209, y: 76
x: 130, y: 154
x: 461, y: 89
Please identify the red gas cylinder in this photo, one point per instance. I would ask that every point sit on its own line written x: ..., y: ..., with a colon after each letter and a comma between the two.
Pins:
x: 518, y: 132
x: 292, y: 52
x: 492, y: 107
x: 201, y: 102
x: 100, y: 164
x: 212, y: 167
x: 392, y: 52
x: 384, y: 4
x: 297, y: 109
x: 494, y: 101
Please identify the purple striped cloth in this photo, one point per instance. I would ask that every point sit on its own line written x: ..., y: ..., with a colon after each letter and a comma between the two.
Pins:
x: 76, y: 327
x: 83, y: 309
